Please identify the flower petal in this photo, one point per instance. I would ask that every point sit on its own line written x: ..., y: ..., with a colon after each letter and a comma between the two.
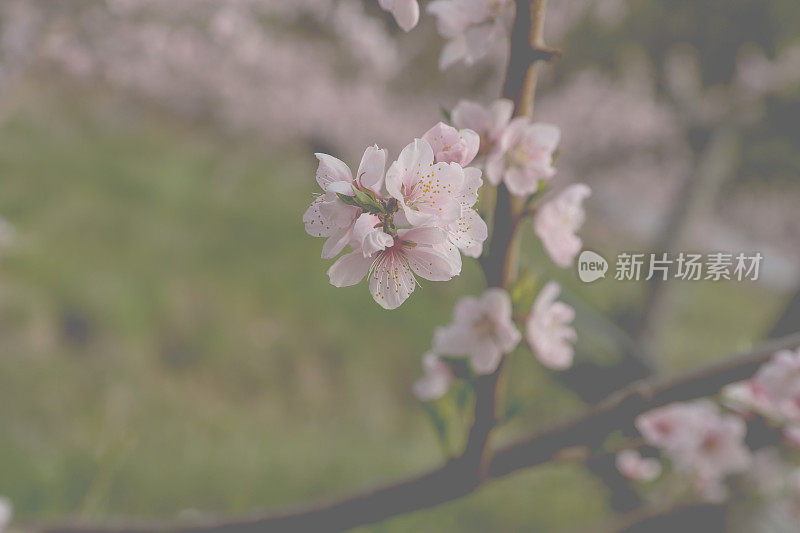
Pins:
x: 372, y: 167
x: 349, y: 269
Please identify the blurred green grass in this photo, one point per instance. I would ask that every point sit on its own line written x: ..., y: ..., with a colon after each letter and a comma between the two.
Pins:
x: 170, y: 340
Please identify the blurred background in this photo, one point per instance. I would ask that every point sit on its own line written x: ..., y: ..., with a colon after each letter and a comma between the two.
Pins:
x: 169, y: 342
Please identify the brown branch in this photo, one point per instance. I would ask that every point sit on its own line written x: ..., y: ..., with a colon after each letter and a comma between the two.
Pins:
x: 570, y: 439
x: 500, y: 264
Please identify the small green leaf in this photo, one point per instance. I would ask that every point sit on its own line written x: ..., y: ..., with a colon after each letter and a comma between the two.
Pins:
x: 349, y: 200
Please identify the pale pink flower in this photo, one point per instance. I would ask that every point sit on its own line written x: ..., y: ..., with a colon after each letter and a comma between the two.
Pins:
x: 488, y: 122
x: 469, y: 231
x: 436, y: 379
x: 472, y: 27
x: 632, y: 465
x: 426, y: 191
x: 547, y: 329
x: 422, y: 251
x: 482, y: 329
x: 671, y: 427
x: 328, y: 215
x: 405, y: 12
x: 524, y: 156
x: 558, y: 220
x: 702, y: 443
x: 451, y: 145
x: 780, y: 381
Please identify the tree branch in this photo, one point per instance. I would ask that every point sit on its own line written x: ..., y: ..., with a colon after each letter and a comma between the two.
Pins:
x: 451, y: 481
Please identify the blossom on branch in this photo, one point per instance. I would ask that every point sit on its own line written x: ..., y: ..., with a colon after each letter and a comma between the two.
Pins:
x: 436, y: 379
x: 405, y: 12
x: 418, y: 229
x: 523, y: 156
x: 703, y: 444
x: 482, y: 330
x: 558, y: 220
x: 547, y: 329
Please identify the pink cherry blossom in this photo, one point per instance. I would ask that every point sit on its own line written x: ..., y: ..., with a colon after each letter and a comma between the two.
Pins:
x: 426, y: 191
x: 547, y: 329
x: 328, y: 215
x: 482, y: 329
x: 488, y: 122
x: 703, y: 444
x: 523, y: 156
x: 472, y: 27
x: 779, y: 379
x: 451, y: 145
x: 558, y: 220
x: 405, y: 12
x: 632, y: 465
x: 436, y: 379
x: 422, y: 251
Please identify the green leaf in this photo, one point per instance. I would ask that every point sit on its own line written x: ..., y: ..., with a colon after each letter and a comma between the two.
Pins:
x: 349, y: 200
x: 446, y: 114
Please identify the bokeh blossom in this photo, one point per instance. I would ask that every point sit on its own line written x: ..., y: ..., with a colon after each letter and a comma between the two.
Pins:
x: 436, y: 378
x: 547, y: 329
x: 558, y: 220
x: 471, y: 27
x: 405, y: 12
x: 482, y: 330
x: 488, y: 122
x: 632, y: 465
x: 703, y: 444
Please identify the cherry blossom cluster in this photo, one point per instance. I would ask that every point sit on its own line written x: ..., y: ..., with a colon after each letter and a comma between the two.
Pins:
x: 520, y: 154
x: 418, y: 226
x: 703, y: 444
x: 774, y: 392
x: 483, y: 331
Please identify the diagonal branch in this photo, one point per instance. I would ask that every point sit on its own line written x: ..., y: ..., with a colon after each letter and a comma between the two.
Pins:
x: 452, y: 481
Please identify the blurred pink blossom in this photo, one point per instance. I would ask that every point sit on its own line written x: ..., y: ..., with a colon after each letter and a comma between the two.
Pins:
x: 547, y: 329
x: 557, y: 222
x: 632, y: 465
x: 482, y: 330
x: 436, y: 378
